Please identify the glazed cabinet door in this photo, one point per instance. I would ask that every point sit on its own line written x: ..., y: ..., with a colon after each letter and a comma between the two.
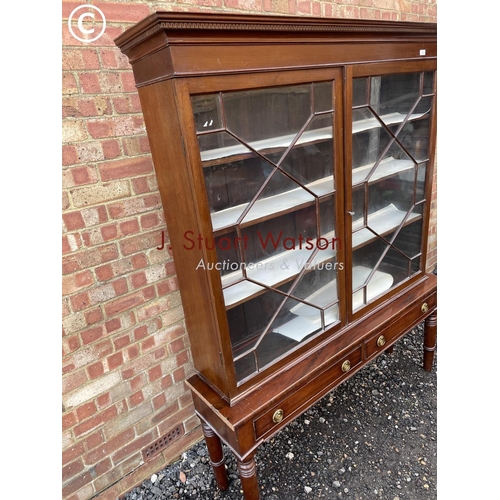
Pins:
x: 389, y: 163
x: 270, y: 151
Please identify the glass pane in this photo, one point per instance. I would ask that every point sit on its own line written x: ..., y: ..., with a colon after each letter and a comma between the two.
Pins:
x: 278, y: 249
x: 207, y: 112
x: 226, y: 198
x: 248, y: 321
x: 280, y: 193
x: 358, y: 207
x: 359, y: 91
x: 327, y: 217
x: 392, y: 97
x: 310, y: 161
x: 273, y: 116
x: 323, y: 97
x: 415, y: 134
x: 409, y: 239
x: 318, y: 286
x: 368, y: 284
x: 420, y: 190
x: 228, y: 255
x: 428, y: 82
x: 296, y: 320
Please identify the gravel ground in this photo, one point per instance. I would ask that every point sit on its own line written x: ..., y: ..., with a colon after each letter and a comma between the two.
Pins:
x: 374, y: 437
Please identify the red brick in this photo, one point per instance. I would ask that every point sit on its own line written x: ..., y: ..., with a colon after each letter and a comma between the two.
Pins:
x: 86, y: 411
x: 69, y: 155
x: 109, y: 447
x: 139, y: 279
x: 103, y: 467
x: 116, y: 12
x: 304, y: 7
x: 115, y: 360
x: 139, y: 261
x: 148, y: 344
x: 72, y: 469
x: 136, y: 145
x: 80, y: 301
x: 90, y: 83
x: 136, y: 398
x: 83, y: 175
x: 89, y: 258
x: 179, y: 375
x: 109, y: 232
x: 68, y: 420
x: 117, y: 126
x: 95, y: 370
x: 92, y: 334
x: 125, y: 168
x: 129, y: 227
x: 134, y: 446
x: 104, y: 400
x: 177, y: 346
x: 127, y: 103
x: 76, y: 484
x: 132, y: 352
x: 154, y: 373
x: 111, y: 149
x: 75, y: 282
x: 73, y: 221
x: 77, y: 59
x: 113, y: 324
x: 151, y: 220
x: 72, y: 453
x: 124, y: 303
x: 159, y: 401
x: 93, y: 316
x: 166, y: 382
x: 182, y: 358
x: 104, y: 273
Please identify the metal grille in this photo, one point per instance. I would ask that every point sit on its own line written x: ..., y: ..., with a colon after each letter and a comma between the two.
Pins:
x: 161, y: 443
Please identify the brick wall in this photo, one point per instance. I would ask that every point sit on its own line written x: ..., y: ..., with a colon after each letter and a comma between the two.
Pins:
x: 125, y: 348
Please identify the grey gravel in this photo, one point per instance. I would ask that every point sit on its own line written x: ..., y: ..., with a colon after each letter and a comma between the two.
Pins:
x: 374, y: 437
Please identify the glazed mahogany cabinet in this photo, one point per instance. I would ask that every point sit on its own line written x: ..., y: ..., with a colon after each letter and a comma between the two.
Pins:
x: 294, y: 158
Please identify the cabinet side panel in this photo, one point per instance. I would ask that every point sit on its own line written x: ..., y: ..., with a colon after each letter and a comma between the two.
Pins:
x: 180, y: 202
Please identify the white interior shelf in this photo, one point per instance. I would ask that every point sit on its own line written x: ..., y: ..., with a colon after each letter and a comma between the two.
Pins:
x: 382, y: 222
x: 379, y: 283
x: 389, y: 119
x: 272, y: 204
x: 387, y: 167
x: 273, y: 270
x: 280, y: 142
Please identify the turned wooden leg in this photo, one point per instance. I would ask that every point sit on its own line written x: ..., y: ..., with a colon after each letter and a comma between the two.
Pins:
x: 430, y: 330
x: 248, y: 476
x: 216, y: 456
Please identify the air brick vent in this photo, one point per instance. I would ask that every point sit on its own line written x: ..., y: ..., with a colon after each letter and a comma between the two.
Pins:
x: 161, y: 443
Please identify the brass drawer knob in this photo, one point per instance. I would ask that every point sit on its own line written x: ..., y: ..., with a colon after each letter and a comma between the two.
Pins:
x: 346, y: 366
x: 278, y: 416
x: 381, y: 341
x: 424, y: 307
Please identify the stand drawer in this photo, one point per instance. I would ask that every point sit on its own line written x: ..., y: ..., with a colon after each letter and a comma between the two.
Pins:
x: 390, y: 334
x: 281, y: 413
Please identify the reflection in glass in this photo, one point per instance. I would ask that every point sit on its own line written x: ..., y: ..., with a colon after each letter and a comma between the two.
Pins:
x: 310, y: 161
x: 273, y: 116
x: 207, y: 112
x: 323, y: 100
x: 359, y: 91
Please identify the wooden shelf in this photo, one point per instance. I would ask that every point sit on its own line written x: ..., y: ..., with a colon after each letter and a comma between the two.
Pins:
x: 380, y: 283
